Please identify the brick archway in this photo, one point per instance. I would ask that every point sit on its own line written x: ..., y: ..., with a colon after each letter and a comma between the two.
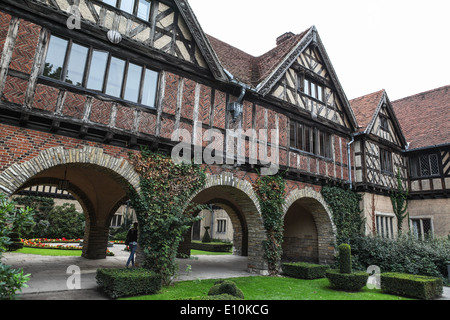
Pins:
x: 97, y: 180
x: 311, y: 207
x: 238, y: 198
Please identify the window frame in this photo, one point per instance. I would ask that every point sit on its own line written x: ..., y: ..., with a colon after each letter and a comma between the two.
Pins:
x: 386, y: 162
x: 311, y: 88
x: 311, y: 140
x: 384, y: 224
x: 419, y: 219
x: 416, y: 166
x: 87, y: 68
x: 221, y: 225
x: 135, y: 10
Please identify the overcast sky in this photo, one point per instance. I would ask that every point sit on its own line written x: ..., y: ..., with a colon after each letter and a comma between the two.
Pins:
x: 402, y: 46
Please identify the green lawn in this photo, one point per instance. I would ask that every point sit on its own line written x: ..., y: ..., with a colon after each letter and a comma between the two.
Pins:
x: 269, y: 288
x: 50, y: 252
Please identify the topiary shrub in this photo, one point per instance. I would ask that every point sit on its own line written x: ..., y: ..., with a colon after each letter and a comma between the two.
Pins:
x: 226, y: 287
x: 345, y: 258
x: 344, y: 279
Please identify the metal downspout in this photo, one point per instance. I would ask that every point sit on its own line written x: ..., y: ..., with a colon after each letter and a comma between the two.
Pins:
x: 349, y: 162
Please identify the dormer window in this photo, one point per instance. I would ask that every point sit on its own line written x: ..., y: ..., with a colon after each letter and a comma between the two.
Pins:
x: 313, y: 89
x: 138, y: 8
x: 384, y: 125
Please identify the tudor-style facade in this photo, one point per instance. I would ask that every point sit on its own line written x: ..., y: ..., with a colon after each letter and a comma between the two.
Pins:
x: 85, y: 82
x: 397, y: 137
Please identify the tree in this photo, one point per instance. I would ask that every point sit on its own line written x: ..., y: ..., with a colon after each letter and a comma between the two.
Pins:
x: 399, y: 199
x: 21, y: 220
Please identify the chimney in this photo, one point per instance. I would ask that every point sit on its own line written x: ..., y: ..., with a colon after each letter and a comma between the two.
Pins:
x: 284, y: 37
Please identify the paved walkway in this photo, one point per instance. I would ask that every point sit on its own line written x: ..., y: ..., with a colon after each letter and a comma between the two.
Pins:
x: 49, y: 274
x: 51, y: 280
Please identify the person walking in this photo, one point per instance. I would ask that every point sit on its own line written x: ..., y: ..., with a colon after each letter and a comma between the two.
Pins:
x: 131, y: 241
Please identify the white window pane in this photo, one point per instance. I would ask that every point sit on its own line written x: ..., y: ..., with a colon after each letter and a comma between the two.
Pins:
x: 306, y: 88
x: 110, y: 2
x: 319, y: 93
x: 54, y: 61
x: 143, y: 10
x: 97, y: 70
x: 133, y: 82
x: 127, y: 5
x: 76, y: 65
x: 150, y: 85
x: 313, y: 90
x: 115, y: 77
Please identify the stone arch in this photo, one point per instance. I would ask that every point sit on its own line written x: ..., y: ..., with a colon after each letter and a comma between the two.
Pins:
x: 98, y: 181
x: 237, y: 197
x: 17, y: 174
x: 313, y: 203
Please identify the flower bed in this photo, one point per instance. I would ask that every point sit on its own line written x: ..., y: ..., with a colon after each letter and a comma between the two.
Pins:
x: 59, y: 240
x: 31, y: 243
x: 49, y: 244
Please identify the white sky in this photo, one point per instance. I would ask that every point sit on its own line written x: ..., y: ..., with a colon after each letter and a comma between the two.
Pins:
x: 402, y: 46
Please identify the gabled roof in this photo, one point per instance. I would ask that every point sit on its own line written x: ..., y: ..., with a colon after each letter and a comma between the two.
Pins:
x: 364, y: 108
x: 367, y: 109
x: 200, y: 37
x: 248, y: 69
x: 425, y: 117
x: 263, y: 72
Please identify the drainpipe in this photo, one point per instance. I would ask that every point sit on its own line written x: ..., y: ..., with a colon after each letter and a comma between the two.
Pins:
x: 349, y: 162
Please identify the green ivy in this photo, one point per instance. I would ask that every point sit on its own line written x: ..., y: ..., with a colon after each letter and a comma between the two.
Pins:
x: 346, y: 213
x: 163, y: 217
x: 270, y: 191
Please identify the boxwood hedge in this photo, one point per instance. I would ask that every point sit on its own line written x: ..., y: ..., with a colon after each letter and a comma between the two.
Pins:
x: 118, y: 283
x: 304, y: 270
x: 409, y: 285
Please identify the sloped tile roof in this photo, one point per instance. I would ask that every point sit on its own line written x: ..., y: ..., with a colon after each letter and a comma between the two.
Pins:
x: 364, y: 108
x: 425, y: 117
x: 247, y: 68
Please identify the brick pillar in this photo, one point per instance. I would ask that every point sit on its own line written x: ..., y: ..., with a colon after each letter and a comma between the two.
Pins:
x: 95, y: 242
x: 184, y: 249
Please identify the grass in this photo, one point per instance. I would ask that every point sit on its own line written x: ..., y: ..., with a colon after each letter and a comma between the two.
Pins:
x: 200, y: 252
x: 50, y: 252
x: 269, y: 288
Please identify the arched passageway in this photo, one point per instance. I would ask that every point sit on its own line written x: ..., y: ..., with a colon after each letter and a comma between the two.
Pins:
x: 99, y: 182
x: 237, y: 198
x: 309, y: 232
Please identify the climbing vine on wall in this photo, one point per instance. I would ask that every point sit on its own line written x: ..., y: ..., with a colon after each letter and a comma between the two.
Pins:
x: 346, y: 212
x: 160, y: 206
x: 270, y: 191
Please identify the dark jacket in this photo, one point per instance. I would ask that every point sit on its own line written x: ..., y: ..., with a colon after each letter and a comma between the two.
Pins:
x: 132, y: 236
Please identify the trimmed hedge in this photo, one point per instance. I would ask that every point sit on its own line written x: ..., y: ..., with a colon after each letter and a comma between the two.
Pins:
x: 304, y: 270
x: 409, y: 285
x: 212, y: 247
x: 226, y: 287
x: 118, y: 283
x: 347, y: 281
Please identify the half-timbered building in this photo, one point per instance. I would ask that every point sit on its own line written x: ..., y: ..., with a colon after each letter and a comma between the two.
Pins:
x: 425, y: 121
x: 409, y: 137
x: 85, y: 82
